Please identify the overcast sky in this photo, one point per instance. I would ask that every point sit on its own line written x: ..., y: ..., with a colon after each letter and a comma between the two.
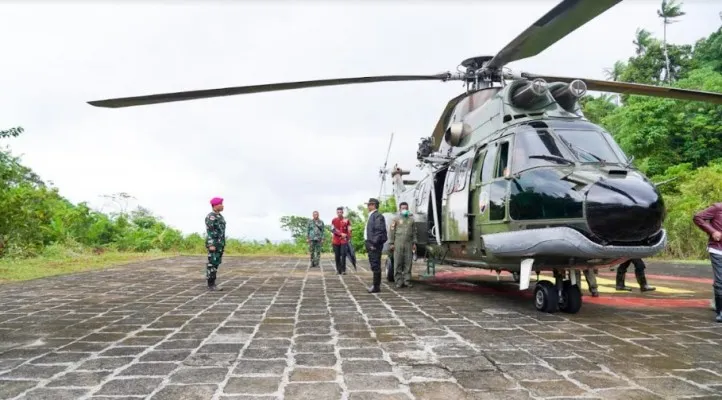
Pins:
x: 270, y: 154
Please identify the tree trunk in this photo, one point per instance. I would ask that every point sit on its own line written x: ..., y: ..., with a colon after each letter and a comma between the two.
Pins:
x: 666, y: 54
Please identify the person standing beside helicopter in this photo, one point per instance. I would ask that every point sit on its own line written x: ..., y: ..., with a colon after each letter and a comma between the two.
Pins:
x: 375, y: 236
x: 402, y: 241
x: 710, y: 221
x: 638, y: 273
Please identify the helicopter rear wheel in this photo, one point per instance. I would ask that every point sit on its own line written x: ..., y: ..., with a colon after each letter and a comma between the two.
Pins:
x: 546, y: 297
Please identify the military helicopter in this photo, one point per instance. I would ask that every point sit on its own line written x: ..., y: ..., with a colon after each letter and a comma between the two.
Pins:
x: 517, y: 179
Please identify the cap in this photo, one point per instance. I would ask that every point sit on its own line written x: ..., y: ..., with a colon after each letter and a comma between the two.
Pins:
x: 216, y: 201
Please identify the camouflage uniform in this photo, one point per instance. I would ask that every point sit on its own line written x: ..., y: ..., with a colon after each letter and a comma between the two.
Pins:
x: 403, y: 238
x: 315, y: 233
x: 216, y: 232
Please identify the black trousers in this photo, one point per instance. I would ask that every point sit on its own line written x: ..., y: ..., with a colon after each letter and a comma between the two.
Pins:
x: 339, y: 252
x: 638, y: 267
x: 374, y: 257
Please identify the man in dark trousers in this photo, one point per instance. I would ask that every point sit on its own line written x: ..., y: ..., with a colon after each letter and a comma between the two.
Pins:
x: 374, y: 238
x: 215, y: 241
x: 710, y: 221
x: 638, y: 273
x: 341, y: 235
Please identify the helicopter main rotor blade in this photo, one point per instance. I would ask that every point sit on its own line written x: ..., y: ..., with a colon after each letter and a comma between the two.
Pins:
x: 562, y: 20
x: 269, y: 87
x: 637, y: 88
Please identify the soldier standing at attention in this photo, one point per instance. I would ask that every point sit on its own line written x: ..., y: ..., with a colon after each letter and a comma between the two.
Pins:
x: 341, y: 234
x: 402, y: 241
x: 314, y: 237
x: 216, y: 242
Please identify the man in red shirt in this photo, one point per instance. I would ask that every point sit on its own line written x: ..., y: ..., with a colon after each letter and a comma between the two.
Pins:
x: 710, y: 221
x: 341, y: 228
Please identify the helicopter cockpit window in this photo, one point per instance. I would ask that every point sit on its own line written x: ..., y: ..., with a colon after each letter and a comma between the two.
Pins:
x: 534, y: 148
x: 613, y: 144
x: 588, y: 145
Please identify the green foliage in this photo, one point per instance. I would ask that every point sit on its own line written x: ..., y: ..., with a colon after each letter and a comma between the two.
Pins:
x: 36, y: 221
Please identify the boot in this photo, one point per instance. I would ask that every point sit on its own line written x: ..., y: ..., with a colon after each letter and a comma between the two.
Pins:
x: 595, y: 291
x: 643, y: 286
x: 620, y: 281
x: 212, y: 283
x: 376, y: 287
x: 718, y: 308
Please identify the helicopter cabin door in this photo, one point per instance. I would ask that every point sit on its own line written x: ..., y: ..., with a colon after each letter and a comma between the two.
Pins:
x: 455, y: 200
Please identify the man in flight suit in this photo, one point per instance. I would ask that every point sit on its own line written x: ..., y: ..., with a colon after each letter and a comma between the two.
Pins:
x: 216, y: 241
x: 402, y: 241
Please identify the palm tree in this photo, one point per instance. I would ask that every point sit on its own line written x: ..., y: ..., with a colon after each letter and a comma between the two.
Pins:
x: 614, y: 74
x: 642, y: 40
x: 667, y: 12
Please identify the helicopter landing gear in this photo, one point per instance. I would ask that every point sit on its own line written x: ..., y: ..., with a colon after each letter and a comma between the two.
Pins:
x: 565, y: 295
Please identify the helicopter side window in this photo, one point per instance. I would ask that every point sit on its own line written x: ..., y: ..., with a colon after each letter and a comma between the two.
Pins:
x: 487, y: 168
x: 450, y: 178
x: 503, y: 162
x: 461, y: 175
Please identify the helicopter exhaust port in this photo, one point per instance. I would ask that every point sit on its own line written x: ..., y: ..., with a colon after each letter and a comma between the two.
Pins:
x: 529, y: 94
x: 567, y: 94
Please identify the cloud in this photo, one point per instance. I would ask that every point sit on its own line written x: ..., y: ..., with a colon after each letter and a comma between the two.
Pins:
x: 269, y: 154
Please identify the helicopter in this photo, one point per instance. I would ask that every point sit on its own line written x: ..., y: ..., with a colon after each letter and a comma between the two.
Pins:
x: 516, y: 178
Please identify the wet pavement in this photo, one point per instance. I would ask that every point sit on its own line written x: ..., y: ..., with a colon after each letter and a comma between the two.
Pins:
x: 282, y: 330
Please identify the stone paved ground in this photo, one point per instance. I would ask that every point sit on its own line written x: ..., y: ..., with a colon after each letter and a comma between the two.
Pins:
x: 280, y: 330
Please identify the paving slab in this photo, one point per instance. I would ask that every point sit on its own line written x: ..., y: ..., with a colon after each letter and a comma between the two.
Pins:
x: 282, y: 330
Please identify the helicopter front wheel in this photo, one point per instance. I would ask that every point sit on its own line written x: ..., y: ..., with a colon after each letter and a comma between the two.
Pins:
x: 546, y: 297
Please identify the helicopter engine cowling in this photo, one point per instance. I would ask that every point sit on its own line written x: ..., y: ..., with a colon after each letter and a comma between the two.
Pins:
x: 622, y: 210
x: 567, y: 94
x: 528, y: 94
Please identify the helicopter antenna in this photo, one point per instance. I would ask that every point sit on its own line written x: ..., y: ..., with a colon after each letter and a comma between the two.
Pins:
x: 383, y: 171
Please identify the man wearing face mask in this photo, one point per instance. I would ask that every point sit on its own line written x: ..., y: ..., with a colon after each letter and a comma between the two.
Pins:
x: 402, y: 241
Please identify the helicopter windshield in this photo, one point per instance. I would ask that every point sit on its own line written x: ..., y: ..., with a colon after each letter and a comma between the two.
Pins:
x: 534, y: 148
x: 590, y: 146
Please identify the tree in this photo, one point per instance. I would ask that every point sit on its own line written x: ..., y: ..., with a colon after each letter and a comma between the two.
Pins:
x: 642, y: 40
x: 667, y: 12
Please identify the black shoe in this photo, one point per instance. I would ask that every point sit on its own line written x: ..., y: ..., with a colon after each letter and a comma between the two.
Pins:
x: 620, y: 281
x: 595, y: 292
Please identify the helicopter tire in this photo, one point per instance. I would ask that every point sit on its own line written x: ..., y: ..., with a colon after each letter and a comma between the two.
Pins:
x: 571, y: 300
x: 546, y: 297
x: 389, y: 269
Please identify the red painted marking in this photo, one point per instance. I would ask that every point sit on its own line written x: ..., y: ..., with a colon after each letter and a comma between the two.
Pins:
x: 602, y: 300
x: 466, y: 274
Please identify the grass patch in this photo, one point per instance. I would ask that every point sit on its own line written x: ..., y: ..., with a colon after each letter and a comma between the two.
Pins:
x: 15, y: 270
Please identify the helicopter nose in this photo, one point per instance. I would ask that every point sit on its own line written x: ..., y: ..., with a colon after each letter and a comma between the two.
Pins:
x: 628, y: 209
